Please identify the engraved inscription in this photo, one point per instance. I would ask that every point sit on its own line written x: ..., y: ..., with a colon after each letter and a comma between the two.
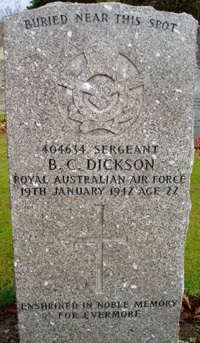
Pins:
x: 100, y: 91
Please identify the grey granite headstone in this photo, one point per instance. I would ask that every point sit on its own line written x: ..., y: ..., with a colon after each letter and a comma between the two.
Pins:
x: 100, y: 130
x: 2, y: 90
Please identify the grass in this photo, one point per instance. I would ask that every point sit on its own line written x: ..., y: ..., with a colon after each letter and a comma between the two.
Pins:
x: 192, y: 254
x: 6, y: 253
x: 7, y: 296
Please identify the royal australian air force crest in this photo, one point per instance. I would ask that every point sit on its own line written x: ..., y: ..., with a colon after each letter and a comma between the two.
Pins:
x: 100, y: 91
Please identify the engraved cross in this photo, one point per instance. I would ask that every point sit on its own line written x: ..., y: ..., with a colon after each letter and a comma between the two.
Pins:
x: 100, y: 241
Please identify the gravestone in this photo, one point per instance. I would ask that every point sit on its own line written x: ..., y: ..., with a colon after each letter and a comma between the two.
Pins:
x: 2, y: 90
x: 100, y: 130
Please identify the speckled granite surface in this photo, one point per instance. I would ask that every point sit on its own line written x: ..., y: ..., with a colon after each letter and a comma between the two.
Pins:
x: 100, y: 127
